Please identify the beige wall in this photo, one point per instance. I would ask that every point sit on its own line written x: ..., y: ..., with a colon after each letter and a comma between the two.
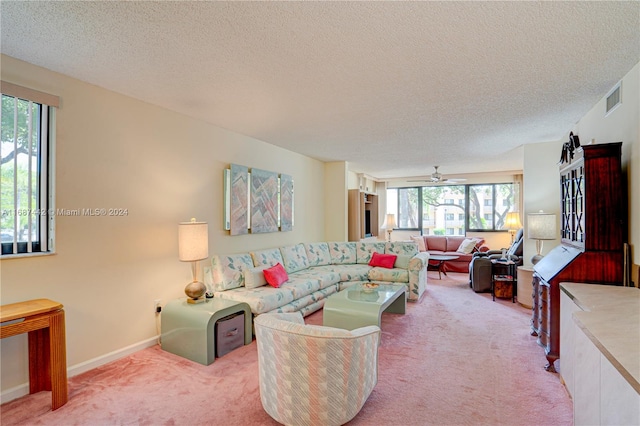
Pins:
x: 621, y: 125
x: 114, y: 151
x: 541, y: 173
x: 336, y: 201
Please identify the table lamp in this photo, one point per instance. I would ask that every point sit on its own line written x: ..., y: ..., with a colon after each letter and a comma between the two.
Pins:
x: 390, y: 223
x: 193, y: 245
x: 512, y: 223
x: 541, y: 226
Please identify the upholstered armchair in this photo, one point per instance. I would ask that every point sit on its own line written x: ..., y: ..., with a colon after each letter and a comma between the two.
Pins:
x: 481, y: 268
x: 314, y: 375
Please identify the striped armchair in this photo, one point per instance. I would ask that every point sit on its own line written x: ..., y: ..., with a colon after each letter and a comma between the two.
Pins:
x: 314, y: 375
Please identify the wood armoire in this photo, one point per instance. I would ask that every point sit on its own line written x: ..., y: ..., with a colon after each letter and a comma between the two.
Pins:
x: 593, y: 230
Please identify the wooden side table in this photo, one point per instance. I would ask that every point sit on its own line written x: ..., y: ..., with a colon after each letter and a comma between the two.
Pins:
x: 498, y: 275
x: 43, y: 319
x: 188, y: 329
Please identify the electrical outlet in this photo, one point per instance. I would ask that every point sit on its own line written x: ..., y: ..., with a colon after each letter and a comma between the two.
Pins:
x: 156, y: 306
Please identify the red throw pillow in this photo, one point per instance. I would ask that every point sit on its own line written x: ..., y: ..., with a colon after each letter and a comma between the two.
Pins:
x: 276, y: 275
x: 383, y: 260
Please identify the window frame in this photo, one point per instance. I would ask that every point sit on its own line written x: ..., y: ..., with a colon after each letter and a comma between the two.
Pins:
x: 467, y: 189
x: 42, y: 215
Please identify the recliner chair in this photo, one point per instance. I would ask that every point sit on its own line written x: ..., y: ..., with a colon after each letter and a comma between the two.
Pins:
x: 481, y: 268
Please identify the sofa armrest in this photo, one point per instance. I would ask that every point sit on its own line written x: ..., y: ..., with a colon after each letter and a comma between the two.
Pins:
x: 419, y: 261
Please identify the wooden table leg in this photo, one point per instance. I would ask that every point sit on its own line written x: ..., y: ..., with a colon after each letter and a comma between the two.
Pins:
x: 58, y: 361
x: 39, y: 366
x: 48, y: 360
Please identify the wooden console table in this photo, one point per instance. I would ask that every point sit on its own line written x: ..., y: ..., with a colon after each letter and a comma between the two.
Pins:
x: 43, y: 319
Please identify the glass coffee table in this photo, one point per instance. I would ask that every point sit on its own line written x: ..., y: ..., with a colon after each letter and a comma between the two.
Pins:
x: 363, y: 304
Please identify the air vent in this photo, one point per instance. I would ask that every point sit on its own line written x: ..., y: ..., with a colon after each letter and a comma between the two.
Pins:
x: 614, y: 99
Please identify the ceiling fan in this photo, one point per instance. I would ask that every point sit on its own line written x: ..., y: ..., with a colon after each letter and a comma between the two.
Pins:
x: 436, y: 177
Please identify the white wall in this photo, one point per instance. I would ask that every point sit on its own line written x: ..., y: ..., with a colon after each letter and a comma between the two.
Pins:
x: 541, y: 182
x: 114, y: 151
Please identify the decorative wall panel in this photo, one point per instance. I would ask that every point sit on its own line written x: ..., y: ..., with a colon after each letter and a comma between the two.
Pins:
x: 239, y: 202
x: 264, y: 201
x: 286, y: 203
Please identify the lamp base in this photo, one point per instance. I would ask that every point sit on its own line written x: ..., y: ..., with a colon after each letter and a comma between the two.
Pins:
x: 536, y: 258
x: 194, y: 290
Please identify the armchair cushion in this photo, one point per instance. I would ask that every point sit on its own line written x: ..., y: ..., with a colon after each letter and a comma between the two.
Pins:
x: 313, y: 374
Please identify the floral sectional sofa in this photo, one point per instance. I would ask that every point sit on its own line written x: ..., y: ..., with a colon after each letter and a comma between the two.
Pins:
x: 316, y: 270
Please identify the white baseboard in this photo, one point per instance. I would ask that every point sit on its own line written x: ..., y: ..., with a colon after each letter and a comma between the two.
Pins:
x: 22, y: 390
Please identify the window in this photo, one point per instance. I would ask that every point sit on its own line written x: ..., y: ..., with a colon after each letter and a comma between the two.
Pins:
x: 489, y: 205
x: 26, y: 206
x: 453, y: 209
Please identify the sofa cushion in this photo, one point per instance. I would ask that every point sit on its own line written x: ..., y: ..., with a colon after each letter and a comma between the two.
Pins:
x: 419, y: 240
x: 254, y: 277
x: 294, y: 257
x: 318, y: 254
x: 342, y: 253
x: 262, y: 299
x: 308, y: 304
x: 347, y: 272
x: 383, y: 260
x: 325, y: 278
x: 268, y: 257
x: 467, y: 245
x: 394, y: 275
x: 301, y: 286
x: 365, y: 250
x: 276, y: 275
x: 228, y: 270
x: 402, y: 261
x: 436, y: 242
x: 401, y: 247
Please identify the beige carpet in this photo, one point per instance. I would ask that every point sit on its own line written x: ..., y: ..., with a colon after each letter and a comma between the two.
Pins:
x: 455, y: 358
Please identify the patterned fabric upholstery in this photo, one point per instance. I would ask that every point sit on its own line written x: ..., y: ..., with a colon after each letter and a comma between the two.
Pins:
x: 295, y: 258
x: 395, y: 275
x: 314, y: 375
x: 364, y: 251
x: 402, y: 247
x: 342, y: 253
x: 267, y: 257
x: 261, y: 299
x: 320, y: 268
x: 318, y: 254
x: 228, y: 270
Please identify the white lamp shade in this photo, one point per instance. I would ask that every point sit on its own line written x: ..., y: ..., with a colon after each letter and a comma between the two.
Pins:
x: 390, y: 223
x: 541, y: 226
x: 512, y: 221
x: 193, y: 241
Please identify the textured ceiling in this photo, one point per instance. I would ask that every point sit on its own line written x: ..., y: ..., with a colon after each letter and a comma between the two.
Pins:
x: 392, y: 87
